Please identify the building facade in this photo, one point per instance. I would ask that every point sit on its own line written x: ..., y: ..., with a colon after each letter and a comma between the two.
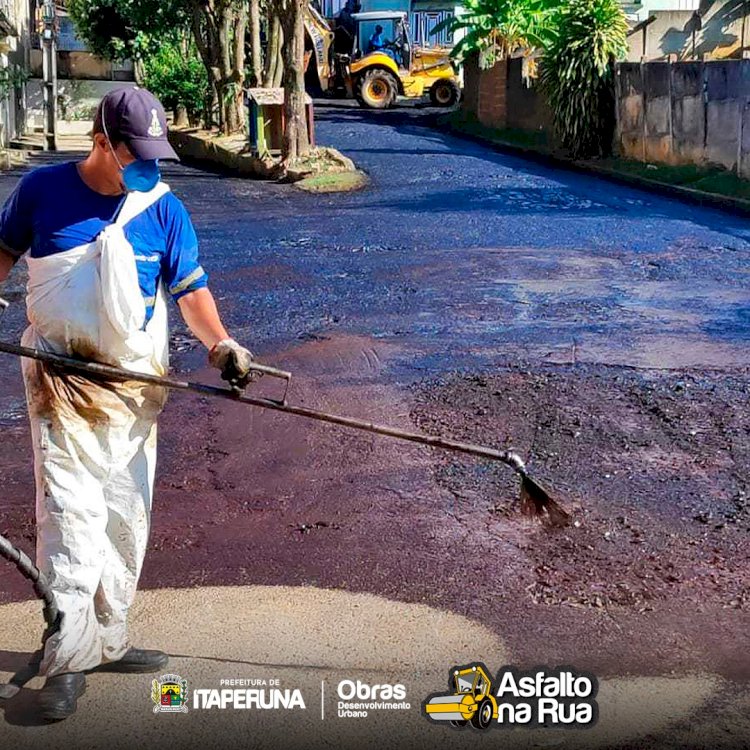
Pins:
x: 14, y: 65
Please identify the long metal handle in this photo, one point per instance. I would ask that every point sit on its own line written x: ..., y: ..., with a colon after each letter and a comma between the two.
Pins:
x: 115, y: 373
x: 262, y: 369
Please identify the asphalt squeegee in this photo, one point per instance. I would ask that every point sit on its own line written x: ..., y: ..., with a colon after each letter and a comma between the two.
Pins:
x: 535, y: 500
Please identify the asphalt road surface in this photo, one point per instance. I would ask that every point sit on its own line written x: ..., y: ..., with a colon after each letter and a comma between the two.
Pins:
x: 600, y: 330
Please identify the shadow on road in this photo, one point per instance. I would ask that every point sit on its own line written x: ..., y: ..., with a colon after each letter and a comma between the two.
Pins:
x: 12, y: 661
x: 19, y: 710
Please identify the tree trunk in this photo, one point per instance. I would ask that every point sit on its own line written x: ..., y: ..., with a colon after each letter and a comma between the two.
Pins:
x: 296, y: 143
x: 181, y: 119
x: 219, y: 31
x: 274, y: 64
x: 278, y: 74
x: 207, y: 51
x: 138, y: 71
x: 212, y: 107
x: 256, y: 54
x: 233, y: 65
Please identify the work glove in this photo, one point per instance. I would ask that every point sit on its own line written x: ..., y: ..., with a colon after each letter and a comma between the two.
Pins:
x: 234, y: 362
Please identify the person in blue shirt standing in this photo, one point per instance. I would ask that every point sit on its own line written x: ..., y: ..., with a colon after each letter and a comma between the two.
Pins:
x: 106, y: 242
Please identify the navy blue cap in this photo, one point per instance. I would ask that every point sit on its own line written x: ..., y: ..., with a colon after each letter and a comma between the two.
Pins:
x: 135, y: 117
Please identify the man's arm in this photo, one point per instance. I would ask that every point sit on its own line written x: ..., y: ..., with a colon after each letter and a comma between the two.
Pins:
x: 188, y: 284
x: 199, y: 312
x: 6, y: 263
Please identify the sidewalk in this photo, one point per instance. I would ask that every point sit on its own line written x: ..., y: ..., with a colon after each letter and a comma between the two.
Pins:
x: 31, y: 148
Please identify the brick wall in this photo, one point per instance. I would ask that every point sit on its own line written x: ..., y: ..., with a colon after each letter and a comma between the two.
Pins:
x: 492, y: 109
x: 501, y: 98
x: 485, y: 92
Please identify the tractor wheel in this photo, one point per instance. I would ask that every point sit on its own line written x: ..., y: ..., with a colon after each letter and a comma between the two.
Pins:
x: 458, y: 722
x: 483, y: 717
x: 376, y: 89
x: 444, y: 93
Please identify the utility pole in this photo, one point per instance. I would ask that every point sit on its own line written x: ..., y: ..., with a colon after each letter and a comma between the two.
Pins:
x: 49, y: 74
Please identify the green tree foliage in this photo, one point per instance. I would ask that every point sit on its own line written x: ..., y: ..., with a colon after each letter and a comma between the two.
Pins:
x: 137, y: 29
x: 577, y: 73
x: 494, y: 29
x: 11, y: 76
x: 176, y: 75
x: 120, y: 29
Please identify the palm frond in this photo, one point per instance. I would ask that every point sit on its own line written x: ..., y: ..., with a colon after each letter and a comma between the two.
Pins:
x: 496, y: 27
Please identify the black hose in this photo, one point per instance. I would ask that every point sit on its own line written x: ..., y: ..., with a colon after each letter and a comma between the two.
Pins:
x: 30, y: 571
x: 52, y: 615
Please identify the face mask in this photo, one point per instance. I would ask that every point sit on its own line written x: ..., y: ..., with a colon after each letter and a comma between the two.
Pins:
x: 141, y: 175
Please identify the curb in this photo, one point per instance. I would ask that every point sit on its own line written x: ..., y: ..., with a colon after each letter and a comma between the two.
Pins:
x: 211, y: 151
x: 225, y: 154
x: 690, y: 195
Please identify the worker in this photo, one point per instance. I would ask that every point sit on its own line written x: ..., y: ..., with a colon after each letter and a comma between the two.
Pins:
x: 377, y: 41
x: 345, y: 31
x: 105, y: 241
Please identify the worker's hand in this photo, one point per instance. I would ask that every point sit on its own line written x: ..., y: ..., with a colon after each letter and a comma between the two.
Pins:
x: 234, y: 362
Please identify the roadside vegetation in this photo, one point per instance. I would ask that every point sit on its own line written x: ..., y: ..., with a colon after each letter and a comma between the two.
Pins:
x: 571, y: 44
x: 577, y: 73
x: 495, y: 29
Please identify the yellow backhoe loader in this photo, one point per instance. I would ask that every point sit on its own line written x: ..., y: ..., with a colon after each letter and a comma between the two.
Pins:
x: 372, y: 58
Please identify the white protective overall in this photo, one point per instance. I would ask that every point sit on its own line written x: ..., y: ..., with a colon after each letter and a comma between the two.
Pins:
x: 94, y: 441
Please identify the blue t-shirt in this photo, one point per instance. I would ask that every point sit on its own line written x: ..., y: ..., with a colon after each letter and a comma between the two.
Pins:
x: 52, y: 210
x: 376, y: 42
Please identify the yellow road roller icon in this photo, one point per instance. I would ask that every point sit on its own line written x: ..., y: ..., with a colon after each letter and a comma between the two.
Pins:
x: 472, y: 700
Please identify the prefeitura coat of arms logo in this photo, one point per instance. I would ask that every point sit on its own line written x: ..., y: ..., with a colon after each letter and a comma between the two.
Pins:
x: 169, y: 694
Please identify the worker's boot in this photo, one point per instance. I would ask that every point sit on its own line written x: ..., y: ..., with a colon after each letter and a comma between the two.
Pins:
x: 58, y: 699
x: 136, y: 660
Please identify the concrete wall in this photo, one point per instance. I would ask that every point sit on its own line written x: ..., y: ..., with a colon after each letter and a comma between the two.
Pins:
x: 676, y: 113
x: 502, y: 97
x: 653, y: 5
x: 685, y: 113
x: 716, y: 32
x: 688, y: 113
x: 15, y: 52
x: 77, y: 101
x: 84, y: 66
